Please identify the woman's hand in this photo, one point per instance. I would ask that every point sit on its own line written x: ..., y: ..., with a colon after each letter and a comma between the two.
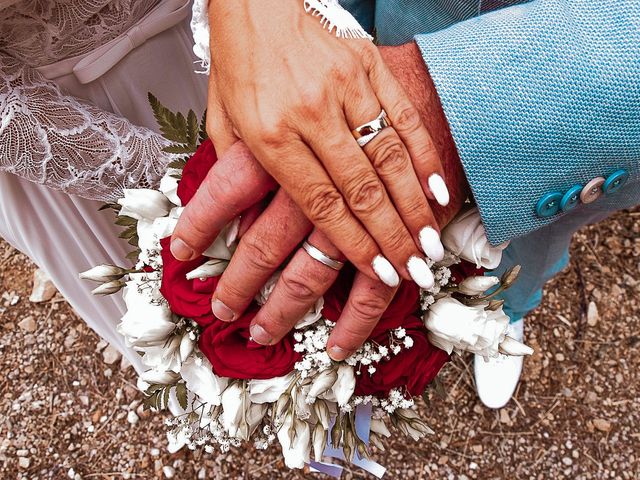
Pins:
x: 293, y: 92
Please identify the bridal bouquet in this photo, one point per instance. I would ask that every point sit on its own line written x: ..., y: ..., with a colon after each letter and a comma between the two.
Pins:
x: 224, y: 389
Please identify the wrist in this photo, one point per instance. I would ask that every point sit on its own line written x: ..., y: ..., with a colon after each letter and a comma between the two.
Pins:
x: 407, y: 65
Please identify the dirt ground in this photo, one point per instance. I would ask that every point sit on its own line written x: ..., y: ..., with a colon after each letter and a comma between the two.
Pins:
x: 67, y: 414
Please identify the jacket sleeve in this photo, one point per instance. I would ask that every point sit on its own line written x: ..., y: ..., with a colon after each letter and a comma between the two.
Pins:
x: 56, y: 140
x: 541, y: 98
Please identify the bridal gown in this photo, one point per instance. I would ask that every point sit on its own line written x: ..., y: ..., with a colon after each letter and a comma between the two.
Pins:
x: 76, y: 129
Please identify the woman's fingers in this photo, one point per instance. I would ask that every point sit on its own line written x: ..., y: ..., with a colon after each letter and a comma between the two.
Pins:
x: 234, y: 183
x: 261, y: 251
x: 301, y: 284
x: 407, y: 122
x: 367, y: 302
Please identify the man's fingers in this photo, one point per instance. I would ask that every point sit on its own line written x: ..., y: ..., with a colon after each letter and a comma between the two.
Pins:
x: 261, y: 251
x: 407, y: 121
x: 367, y: 302
x: 234, y: 183
x: 302, y: 282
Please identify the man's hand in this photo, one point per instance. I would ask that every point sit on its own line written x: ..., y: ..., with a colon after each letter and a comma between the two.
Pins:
x: 275, y: 235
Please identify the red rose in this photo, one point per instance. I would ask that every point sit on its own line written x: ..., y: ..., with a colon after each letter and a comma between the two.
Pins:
x: 188, y: 298
x: 465, y: 269
x: 196, y: 170
x: 412, y: 369
x: 232, y: 354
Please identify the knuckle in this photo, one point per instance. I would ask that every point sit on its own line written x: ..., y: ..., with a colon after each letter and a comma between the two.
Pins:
x: 399, y: 240
x: 221, y: 192
x: 298, y: 287
x: 365, y: 193
x: 324, y: 203
x: 389, y: 156
x: 273, y: 134
x: 258, y: 252
x: 408, y: 119
x: 369, y: 54
x: 368, y: 308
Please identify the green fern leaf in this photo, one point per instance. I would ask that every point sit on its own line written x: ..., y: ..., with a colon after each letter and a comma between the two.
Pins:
x: 173, y: 126
x: 203, y: 135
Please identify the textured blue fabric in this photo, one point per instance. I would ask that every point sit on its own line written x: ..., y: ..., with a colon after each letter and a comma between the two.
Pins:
x: 539, y: 97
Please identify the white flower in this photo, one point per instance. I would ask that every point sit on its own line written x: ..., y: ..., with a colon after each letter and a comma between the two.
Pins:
x: 169, y: 186
x: 379, y: 427
x: 108, y: 288
x: 454, y: 326
x: 269, y: 390
x: 219, y: 248
x: 176, y: 440
x: 296, y: 453
x: 165, y: 356
x: 159, y: 377
x: 321, y: 383
x: 201, y: 380
x: 319, y: 442
x: 267, y: 288
x: 150, y: 232
x: 211, y: 268
x: 103, y: 273
x: 232, y: 408
x: 144, y: 203
x: 312, y: 316
x: 465, y: 237
x: 477, y: 285
x: 145, y: 323
x: 345, y: 384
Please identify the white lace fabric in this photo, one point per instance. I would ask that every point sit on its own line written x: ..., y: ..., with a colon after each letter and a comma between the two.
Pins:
x: 55, y: 139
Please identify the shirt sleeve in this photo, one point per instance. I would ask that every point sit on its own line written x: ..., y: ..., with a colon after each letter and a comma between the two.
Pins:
x: 65, y: 144
x: 540, y: 98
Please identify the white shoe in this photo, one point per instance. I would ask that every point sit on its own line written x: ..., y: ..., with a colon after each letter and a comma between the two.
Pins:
x: 497, y: 379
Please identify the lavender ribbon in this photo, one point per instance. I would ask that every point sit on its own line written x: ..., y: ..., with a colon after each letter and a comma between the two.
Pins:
x: 363, y: 426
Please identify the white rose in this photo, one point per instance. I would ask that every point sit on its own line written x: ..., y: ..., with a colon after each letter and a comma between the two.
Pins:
x: 345, y: 384
x: 150, y: 232
x: 295, y: 453
x: 169, y: 186
x: 201, y: 380
x: 465, y: 237
x: 144, y: 203
x: 477, y: 285
x: 145, y: 323
x: 270, y: 389
x: 219, y: 248
x: 159, y: 377
x: 232, y: 409
x: 211, y: 268
x: 455, y: 327
x: 162, y: 357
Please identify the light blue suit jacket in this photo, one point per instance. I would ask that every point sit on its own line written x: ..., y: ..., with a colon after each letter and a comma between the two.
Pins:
x: 540, y: 96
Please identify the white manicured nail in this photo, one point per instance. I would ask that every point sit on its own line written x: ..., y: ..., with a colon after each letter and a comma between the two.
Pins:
x: 420, y: 272
x: 431, y: 244
x: 439, y: 189
x: 385, y: 271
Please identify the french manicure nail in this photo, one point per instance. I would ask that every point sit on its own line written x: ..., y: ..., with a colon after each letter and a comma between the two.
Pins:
x: 338, y: 353
x: 260, y: 335
x: 431, y: 243
x: 385, y: 271
x: 180, y: 250
x: 221, y: 311
x: 420, y: 272
x: 439, y: 189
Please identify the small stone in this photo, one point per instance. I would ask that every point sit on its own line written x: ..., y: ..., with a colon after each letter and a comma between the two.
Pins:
x: 84, y: 400
x: 567, y: 461
x: 24, y: 462
x: 28, y: 324
x: 592, y: 314
x: 43, y: 287
x: 602, y: 424
x: 560, y: 357
x: 477, y: 448
x: 168, y: 471
x: 133, y: 418
x: 591, y: 397
x: 22, y: 453
x: 110, y: 355
x: 71, y: 338
x: 202, y: 474
x: 504, y: 417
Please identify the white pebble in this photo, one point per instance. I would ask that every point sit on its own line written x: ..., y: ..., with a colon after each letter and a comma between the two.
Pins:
x: 132, y: 418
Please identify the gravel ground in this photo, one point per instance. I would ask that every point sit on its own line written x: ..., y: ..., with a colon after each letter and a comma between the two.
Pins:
x: 65, y: 412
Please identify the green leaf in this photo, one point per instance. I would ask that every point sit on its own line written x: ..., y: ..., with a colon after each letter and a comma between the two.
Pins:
x: 113, y: 206
x: 181, y: 395
x: 129, y: 232
x: 192, y: 130
x: 180, y: 163
x: 179, y: 149
x: 203, y: 128
x: 173, y: 126
x: 133, y: 241
x: 133, y: 256
x: 125, y: 221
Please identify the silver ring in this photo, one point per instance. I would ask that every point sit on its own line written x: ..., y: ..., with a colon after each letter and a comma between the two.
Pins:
x: 322, y: 257
x: 367, y: 132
